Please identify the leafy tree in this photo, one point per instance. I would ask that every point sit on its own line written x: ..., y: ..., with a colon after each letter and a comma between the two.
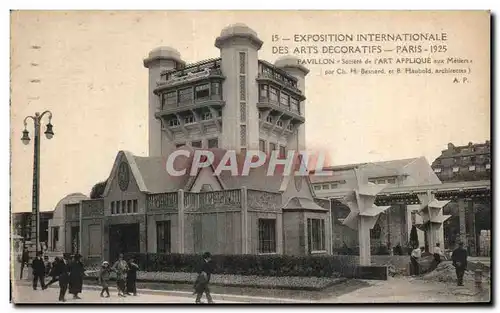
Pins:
x: 98, y: 190
x: 414, y: 237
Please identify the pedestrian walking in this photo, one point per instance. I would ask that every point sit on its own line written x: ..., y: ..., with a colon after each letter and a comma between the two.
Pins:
x: 104, y: 278
x: 61, y: 270
x: 47, y: 264
x: 459, y: 258
x: 438, y: 254
x: 38, y: 271
x: 120, y: 268
x: 416, y: 254
x: 201, y: 284
x: 132, y: 277
x: 52, y: 273
x: 76, y: 273
x: 25, y: 258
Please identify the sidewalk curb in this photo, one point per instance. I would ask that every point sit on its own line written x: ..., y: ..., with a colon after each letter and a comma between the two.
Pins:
x: 188, y: 295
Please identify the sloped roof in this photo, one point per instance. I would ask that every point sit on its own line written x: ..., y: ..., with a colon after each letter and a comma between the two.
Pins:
x: 152, y: 176
x: 303, y: 203
x: 373, y: 169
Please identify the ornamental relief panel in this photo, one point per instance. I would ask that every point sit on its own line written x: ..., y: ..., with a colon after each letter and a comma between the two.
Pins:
x: 220, y: 199
x: 164, y: 201
x: 91, y: 208
x: 72, y: 211
x: 263, y: 200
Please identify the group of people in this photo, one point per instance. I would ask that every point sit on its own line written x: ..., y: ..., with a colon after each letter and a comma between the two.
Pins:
x: 68, y: 272
x: 126, y: 277
x: 458, y: 257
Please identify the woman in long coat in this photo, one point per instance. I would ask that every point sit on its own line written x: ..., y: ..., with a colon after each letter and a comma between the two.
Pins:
x: 76, y: 274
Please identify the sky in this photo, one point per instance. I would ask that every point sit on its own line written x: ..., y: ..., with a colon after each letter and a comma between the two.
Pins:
x: 91, y: 77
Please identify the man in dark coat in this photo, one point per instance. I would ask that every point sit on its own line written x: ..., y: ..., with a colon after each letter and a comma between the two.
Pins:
x: 25, y: 258
x: 204, y: 272
x: 61, y: 270
x: 52, y: 273
x: 459, y: 258
x: 76, y: 276
x: 38, y: 271
x: 132, y: 277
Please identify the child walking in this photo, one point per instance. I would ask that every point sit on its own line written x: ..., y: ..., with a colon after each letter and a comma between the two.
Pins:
x: 104, y: 278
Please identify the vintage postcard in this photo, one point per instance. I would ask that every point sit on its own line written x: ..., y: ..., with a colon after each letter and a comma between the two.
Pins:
x: 250, y: 157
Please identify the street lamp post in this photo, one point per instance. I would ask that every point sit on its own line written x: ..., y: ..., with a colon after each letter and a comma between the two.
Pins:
x: 49, y: 133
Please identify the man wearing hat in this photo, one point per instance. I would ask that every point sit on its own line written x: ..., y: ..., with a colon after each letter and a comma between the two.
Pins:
x: 459, y: 258
x: 76, y: 276
x: 204, y: 272
x: 61, y: 270
x: 38, y: 271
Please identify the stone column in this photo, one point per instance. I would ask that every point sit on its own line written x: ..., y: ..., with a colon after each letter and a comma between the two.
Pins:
x: 279, y: 233
x: 471, y: 227
x: 180, y: 216
x: 364, y: 241
x: 244, y: 221
x: 461, y: 216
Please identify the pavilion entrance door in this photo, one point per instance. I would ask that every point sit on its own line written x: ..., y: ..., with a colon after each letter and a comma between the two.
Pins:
x: 123, y: 238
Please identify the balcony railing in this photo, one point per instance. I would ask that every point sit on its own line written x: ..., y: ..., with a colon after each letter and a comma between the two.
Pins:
x: 286, y: 83
x: 190, y: 77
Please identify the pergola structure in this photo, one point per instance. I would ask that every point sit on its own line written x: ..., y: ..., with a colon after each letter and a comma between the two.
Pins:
x: 431, y: 198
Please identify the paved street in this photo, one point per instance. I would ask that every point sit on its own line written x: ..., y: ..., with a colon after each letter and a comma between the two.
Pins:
x: 405, y: 289
x: 26, y: 294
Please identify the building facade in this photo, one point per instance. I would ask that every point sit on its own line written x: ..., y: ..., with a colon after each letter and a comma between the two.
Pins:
x: 394, y: 225
x: 235, y: 102
x: 144, y: 209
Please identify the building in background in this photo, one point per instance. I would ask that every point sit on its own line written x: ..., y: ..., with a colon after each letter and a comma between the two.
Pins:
x: 464, y: 163
x: 460, y: 164
x: 393, y: 226
x: 21, y: 222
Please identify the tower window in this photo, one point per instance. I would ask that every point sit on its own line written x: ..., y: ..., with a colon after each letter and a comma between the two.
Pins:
x: 280, y: 123
x: 202, y: 92
x: 269, y: 119
x: 284, y: 98
x: 186, y: 95
x: 273, y: 94
x: 213, y: 143
x: 262, y: 145
x: 170, y: 98
x: 263, y: 92
x: 294, y: 104
x: 196, y: 144
x: 282, y: 151
x: 216, y: 89
x: 173, y: 122
x: 189, y: 119
x: 207, y: 116
x: 290, y: 126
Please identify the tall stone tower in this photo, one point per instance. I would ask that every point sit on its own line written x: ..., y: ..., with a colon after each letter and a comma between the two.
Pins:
x: 239, y: 46
x: 235, y: 101
x: 158, y: 60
